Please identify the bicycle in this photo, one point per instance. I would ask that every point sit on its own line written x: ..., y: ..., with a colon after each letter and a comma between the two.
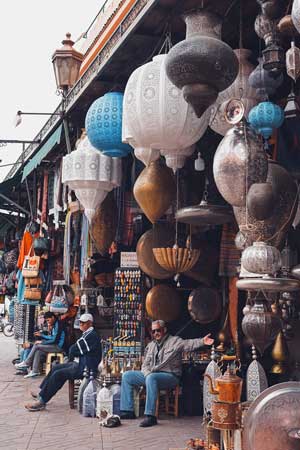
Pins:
x: 8, y: 329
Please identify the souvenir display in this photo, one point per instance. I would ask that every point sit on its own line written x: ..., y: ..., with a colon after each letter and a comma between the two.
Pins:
x: 128, y: 312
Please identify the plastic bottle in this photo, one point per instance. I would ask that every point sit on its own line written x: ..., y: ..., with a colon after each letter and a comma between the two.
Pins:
x: 89, y: 398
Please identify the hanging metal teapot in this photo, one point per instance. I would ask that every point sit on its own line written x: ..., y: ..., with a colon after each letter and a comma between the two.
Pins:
x: 228, y: 387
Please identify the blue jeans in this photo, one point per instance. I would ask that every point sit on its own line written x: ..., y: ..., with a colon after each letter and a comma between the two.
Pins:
x: 153, y: 382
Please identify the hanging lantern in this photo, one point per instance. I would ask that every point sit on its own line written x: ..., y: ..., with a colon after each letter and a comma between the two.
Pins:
x: 104, y: 224
x: 274, y: 228
x: 293, y: 62
x: 256, y: 378
x: 271, y: 8
x: 91, y: 175
x: 286, y: 26
x: 265, y: 117
x: 176, y: 259
x: 240, y: 161
x: 156, y: 118
x: 261, y: 258
x: 154, y: 190
x: 103, y: 124
x: 202, y: 65
x: 296, y: 14
x: 66, y: 63
x: 273, y: 58
x: 240, y: 89
x: 263, y: 81
x: 260, y: 325
x: 265, y: 28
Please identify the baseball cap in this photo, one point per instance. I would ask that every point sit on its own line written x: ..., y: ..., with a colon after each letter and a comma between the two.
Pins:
x: 86, y: 317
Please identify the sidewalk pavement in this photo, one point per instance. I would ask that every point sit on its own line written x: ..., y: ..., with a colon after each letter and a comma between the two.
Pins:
x: 60, y: 428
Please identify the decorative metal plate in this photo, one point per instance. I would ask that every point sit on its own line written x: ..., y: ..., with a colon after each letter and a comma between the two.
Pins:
x: 234, y: 111
x: 204, y: 214
x: 273, y: 420
x: 268, y: 284
x: 256, y: 380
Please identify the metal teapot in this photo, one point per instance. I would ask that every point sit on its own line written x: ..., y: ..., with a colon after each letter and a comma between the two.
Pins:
x: 228, y: 387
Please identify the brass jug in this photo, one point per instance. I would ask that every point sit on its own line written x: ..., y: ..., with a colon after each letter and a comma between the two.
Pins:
x: 228, y: 387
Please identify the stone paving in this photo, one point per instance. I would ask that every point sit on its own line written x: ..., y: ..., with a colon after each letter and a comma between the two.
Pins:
x: 58, y: 427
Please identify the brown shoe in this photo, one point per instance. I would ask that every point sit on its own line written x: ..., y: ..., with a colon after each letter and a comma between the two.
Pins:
x: 37, y: 406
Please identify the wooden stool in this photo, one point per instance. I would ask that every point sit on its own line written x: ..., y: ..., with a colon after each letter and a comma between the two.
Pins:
x: 73, y: 393
x: 171, y: 401
x: 51, y: 357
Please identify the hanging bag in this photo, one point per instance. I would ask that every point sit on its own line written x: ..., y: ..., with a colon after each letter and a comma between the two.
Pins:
x: 31, y: 266
x: 33, y: 290
x: 59, y: 303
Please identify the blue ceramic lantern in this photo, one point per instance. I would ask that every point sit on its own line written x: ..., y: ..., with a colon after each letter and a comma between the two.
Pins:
x: 103, y: 125
x: 264, y: 117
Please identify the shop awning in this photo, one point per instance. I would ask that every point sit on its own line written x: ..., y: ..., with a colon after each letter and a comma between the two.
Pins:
x: 36, y: 160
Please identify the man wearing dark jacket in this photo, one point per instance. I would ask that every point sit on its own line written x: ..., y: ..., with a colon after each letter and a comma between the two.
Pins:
x: 87, y: 348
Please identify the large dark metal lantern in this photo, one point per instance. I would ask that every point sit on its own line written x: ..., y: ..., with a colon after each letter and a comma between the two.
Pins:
x: 263, y: 81
x: 66, y: 63
x: 273, y: 58
x: 202, y: 65
x: 260, y: 325
x: 271, y: 8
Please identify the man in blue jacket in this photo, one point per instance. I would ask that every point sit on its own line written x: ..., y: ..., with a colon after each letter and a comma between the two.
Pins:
x: 87, y: 349
x: 49, y: 343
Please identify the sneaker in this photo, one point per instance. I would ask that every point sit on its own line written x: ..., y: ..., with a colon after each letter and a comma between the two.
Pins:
x: 149, y: 421
x: 127, y: 415
x: 34, y: 395
x: 37, y: 406
x: 21, y: 365
x: 31, y: 375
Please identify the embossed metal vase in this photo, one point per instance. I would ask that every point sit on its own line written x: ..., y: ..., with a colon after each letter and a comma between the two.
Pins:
x: 274, y: 228
x: 240, y: 161
x: 260, y: 325
x: 202, y: 65
x: 163, y: 303
x: 261, y: 200
x: 155, y: 189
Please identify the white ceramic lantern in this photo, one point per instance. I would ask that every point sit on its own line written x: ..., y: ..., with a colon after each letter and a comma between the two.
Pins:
x: 296, y: 14
x: 91, y: 175
x: 156, y: 118
x: 239, y: 89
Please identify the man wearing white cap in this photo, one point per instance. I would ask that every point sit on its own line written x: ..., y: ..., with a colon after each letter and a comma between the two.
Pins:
x: 87, y: 349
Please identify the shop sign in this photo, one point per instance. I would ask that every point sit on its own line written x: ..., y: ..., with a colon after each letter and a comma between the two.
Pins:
x: 129, y: 259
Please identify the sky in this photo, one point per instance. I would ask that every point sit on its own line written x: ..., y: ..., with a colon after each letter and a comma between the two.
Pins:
x: 30, y: 32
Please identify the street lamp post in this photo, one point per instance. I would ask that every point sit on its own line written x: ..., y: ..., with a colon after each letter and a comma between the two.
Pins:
x: 66, y: 63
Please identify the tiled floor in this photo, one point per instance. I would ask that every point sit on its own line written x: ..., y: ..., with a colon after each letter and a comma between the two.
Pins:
x: 60, y: 428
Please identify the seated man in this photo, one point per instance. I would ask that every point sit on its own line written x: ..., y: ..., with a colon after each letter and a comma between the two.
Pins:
x: 87, y: 348
x: 50, y: 343
x: 161, y: 369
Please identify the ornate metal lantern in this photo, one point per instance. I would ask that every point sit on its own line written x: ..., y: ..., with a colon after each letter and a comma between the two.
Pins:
x: 240, y: 89
x: 293, y: 62
x: 273, y: 58
x: 261, y: 258
x: 91, y: 175
x: 271, y: 8
x: 260, y: 325
x: 263, y: 81
x: 157, y: 119
x: 176, y: 259
x: 265, y: 28
x: 103, y: 124
x: 240, y: 161
x: 265, y: 117
x: 202, y: 65
x: 256, y: 378
x: 66, y: 63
